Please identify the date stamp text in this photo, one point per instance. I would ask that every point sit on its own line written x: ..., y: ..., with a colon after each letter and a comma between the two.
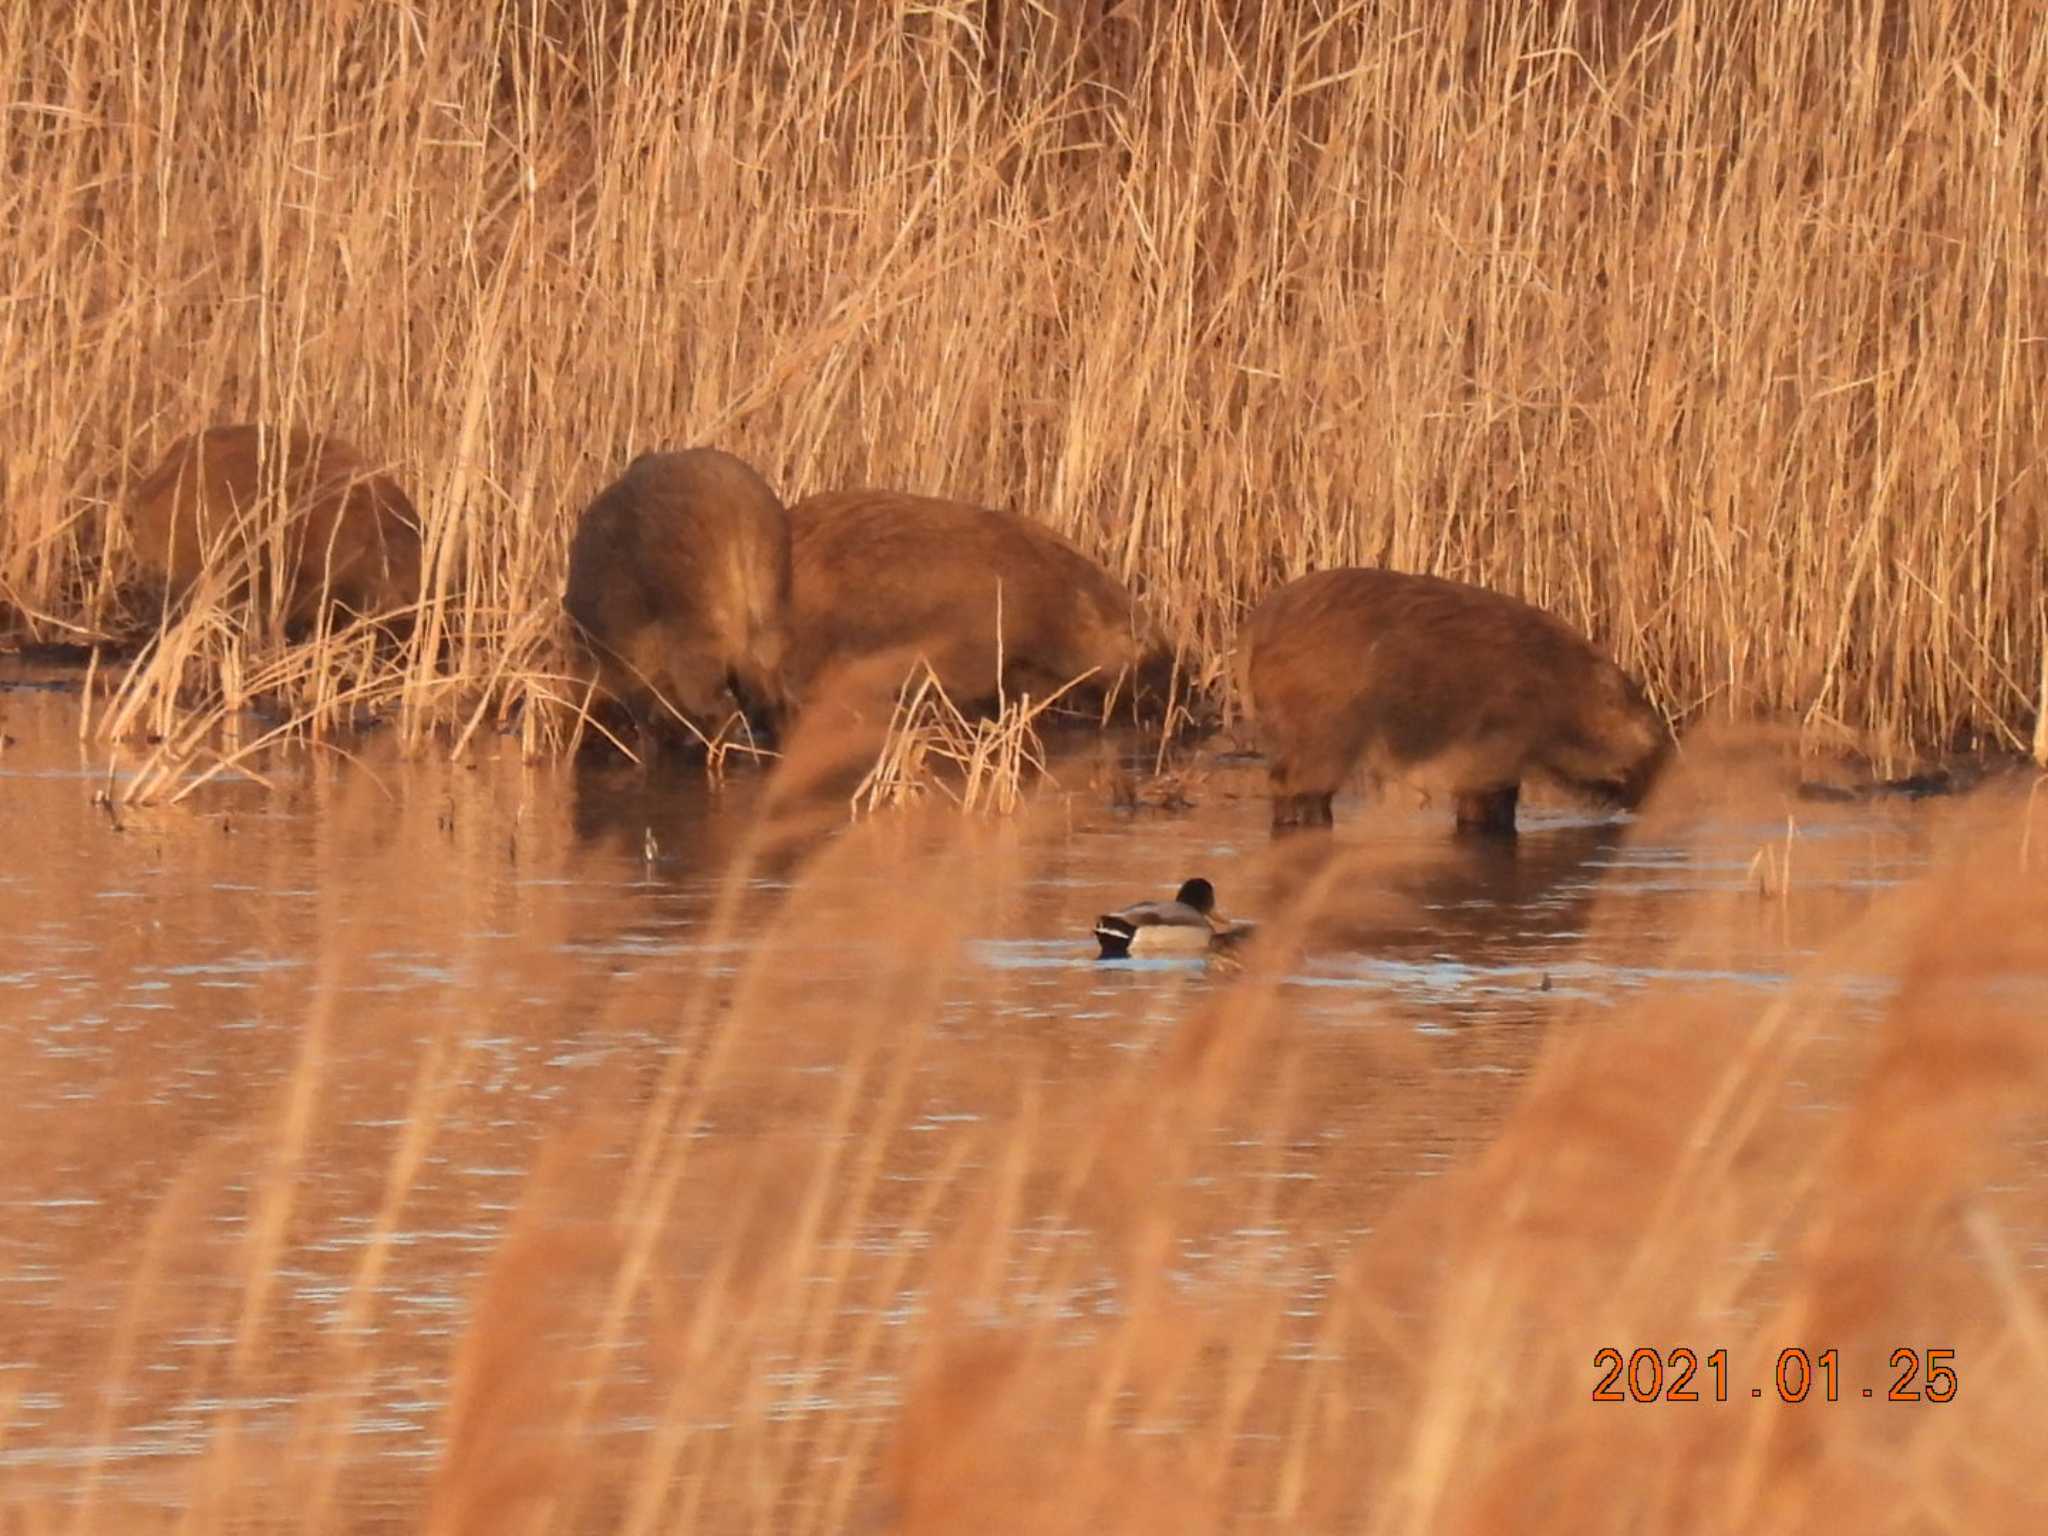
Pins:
x: 1673, y: 1376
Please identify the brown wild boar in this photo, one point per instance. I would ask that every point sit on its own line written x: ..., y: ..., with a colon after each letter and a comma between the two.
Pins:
x: 679, y: 581
x: 1424, y: 679
x: 881, y: 571
x: 350, y: 534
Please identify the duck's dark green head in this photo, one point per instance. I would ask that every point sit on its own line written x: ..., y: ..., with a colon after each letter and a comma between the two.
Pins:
x: 1197, y: 893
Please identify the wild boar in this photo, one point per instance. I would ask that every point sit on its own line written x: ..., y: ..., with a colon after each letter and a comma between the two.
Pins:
x: 885, y: 571
x: 679, y: 590
x: 1419, y: 678
x: 349, y: 534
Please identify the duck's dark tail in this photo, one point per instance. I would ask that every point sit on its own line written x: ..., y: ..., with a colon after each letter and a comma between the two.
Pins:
x: 1114, y: 934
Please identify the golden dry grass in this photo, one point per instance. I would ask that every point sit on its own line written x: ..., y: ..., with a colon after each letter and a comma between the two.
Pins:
x: 1714, y: 327
x: 931, y: 746
x: 744, y: 1288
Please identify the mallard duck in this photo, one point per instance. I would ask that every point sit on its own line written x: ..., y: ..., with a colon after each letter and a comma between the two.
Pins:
x: 1188, y: 924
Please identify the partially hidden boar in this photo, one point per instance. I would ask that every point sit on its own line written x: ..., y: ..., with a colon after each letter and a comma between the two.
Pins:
x: 1437, y: 682
x: 679, y: 589
x: 996, y: 603
x: 347, y: 534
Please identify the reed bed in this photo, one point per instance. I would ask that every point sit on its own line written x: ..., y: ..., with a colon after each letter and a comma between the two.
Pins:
x: 745, y: 1286
x: 1717, y: 328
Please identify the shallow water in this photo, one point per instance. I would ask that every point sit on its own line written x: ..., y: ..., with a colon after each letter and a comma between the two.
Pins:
x: 178, y: 983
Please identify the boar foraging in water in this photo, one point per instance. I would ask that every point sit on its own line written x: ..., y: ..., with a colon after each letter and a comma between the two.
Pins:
x: 679, y: 581
x: 881, y: 571
x: 1419, y: 677
x: 351, y: 536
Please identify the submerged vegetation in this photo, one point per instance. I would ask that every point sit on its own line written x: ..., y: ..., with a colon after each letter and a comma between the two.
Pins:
x: 1713, y: 328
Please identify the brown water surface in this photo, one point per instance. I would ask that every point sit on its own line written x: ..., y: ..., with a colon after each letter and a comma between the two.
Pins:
x: 267, y: 983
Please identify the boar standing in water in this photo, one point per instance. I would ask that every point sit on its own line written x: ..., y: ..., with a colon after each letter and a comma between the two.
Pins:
x: 351, y: 536
x: 1421, y: 678
x: 880, y: 571
x: 679, y: 581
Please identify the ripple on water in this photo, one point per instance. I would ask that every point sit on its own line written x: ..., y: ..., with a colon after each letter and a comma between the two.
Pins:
x: 521, y: 980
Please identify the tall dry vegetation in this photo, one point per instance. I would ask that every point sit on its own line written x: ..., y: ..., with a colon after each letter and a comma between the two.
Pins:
x: 910, y: 1256
x: 1715, y: 327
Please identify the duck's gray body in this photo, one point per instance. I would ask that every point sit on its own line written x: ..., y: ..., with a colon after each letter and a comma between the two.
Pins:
x: 1185, y: 925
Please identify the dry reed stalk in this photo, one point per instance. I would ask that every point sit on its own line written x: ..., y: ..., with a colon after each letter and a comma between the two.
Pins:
x: 2040, y: 745
x: 1771, y: 868
x: 929, y: 742
x: 321, y: 1436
